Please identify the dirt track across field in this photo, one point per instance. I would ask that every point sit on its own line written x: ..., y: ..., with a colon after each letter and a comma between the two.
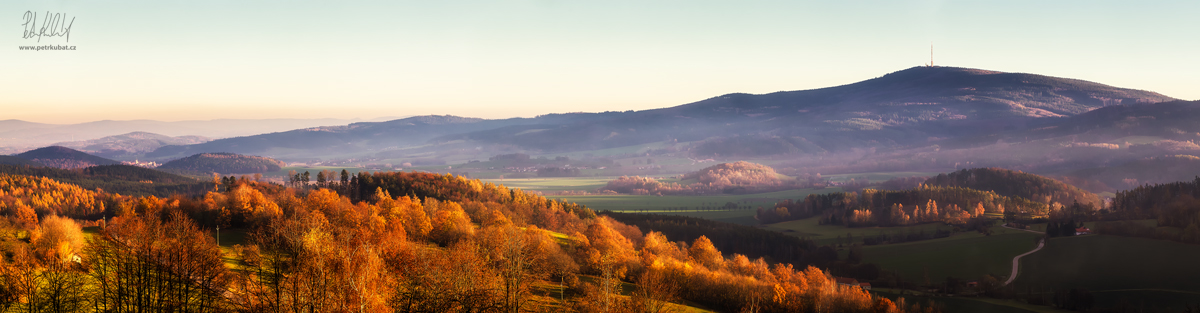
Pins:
x: 1017, y: 259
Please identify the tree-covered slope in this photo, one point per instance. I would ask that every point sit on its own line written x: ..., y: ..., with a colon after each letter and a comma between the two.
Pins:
x: 1155, y: 170
x: 736, y: 173
x: 121, y: 179
x: 224, y: 163
x: 1015, y: 184
x: 63, y: 157
x: 735, y: 177
x: 12, y: 160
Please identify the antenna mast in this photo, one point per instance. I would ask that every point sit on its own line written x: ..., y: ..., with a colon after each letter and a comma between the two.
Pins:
x: 931, y: 55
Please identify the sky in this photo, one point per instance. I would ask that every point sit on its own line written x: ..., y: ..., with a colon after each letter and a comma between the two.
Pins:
x: 193, y: 60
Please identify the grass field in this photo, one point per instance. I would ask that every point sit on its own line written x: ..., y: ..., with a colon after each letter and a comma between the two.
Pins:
x: 1138, y: 270
x: 832, y: 234
x: 628, y: 289
x: 966, y: 256
x: 227, y: 239
x: 687, y: 205
x: 553, y: 184
x: 1092, y: 225
x: 742, y: 217
x: 974, y: 305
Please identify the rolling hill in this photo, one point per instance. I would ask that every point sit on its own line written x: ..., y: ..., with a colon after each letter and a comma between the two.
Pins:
x: 359, y: 139
x: 1119, y: 124
x: 131, y: 143
x: 907, y: 107
x: 1015, y: 184
x: 224, y: 163
x: 1154, y: 170
x: 740, y: 173
x: 731, y: 178
x: 121, y: 179
x: 900, y: 108
x: 12, y: 160
x: 63, y: 157
x: 18, y: 135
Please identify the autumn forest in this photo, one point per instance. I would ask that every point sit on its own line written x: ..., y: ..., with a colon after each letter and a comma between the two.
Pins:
x: 395, y: 242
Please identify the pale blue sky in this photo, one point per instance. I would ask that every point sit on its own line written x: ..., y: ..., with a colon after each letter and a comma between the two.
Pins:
x: 178, y: 60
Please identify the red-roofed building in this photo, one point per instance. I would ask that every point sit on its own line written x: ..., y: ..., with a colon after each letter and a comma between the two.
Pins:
x: 850, y: 282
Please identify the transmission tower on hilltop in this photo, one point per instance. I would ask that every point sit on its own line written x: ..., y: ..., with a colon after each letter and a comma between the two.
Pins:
x: 930, y: 56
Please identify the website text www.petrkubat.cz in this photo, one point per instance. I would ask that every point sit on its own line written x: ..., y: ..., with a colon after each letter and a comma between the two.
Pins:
x: 47, y: 47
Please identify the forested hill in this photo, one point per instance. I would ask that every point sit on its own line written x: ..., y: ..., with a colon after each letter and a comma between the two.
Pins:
x: 121, y: 179
x: 952, y: 205
x: 1016, y: 184
x: 12, y: 160
x: 737, y: 177
x: 736, y: 173
x: 63, y: 157
x: 317, y: 141
x: 1133, y: 174
x: 224, y: 163
x: 1171, y: 120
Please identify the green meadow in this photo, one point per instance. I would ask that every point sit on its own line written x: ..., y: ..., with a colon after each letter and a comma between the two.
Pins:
x: 554, y: 184
x: 969, y: 304
x: 708, y: 207
x: 834, y: 234
x: 966, y: 256
x: 1139, y: 271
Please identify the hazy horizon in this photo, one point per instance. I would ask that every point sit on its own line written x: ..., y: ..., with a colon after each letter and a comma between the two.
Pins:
x: 217, y: 60
x: 184, y: 119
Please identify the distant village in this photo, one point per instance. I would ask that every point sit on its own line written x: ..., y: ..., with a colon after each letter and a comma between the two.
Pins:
x: 146, y: 164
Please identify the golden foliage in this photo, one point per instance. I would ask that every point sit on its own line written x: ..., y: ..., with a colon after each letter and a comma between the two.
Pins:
x: 321, y: 252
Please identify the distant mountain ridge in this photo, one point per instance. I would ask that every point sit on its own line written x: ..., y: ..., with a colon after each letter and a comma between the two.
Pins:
x: 362, y: 136
x: 131, y: 143
x: 913, y: 90
x: 1172, y: 119
x: 63, y: 157
x: 1154, y: 170
x: 18, y: 135
x: 908, y: 107
x: 899, y: 108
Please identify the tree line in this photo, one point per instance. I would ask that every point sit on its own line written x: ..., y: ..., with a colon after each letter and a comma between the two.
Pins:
x: 952, y: 205
x: 1171, y: 204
